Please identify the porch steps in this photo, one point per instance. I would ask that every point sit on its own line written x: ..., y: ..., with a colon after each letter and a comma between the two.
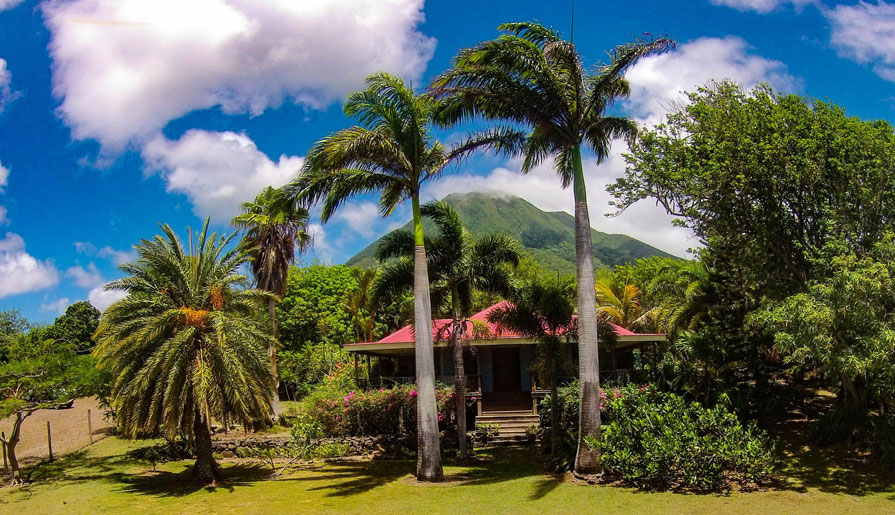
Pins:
x: 512, y: 423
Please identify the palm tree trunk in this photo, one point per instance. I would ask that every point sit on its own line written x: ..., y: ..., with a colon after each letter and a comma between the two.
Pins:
x: 428, y: 465
x: 587, y: 460
x: 206, y: 469
x: 459, y: 375
x: 272, y: 352
x: 554, y: 418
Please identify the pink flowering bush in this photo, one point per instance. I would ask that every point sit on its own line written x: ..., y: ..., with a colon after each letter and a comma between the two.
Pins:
x: 380, y: 411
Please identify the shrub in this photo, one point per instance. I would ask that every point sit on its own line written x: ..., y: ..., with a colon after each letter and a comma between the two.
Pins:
x: 488, y: 432
x: 660, y: 440
x: 375, y: 412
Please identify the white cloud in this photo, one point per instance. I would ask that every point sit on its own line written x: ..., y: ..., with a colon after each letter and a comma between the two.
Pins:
x: 216, y: 170
x: 124, y: 68
x: 101, y: 298
x: 7, y: 95
x: 761, y: 6
x: 117, y: 256
x: 322, y: 248
x: 19, y: 271
x: 361, y: 217
x: 657, y: 82
x: 9, y: 4
x: 57, y: 306
x: 865, y: 32
x: 85, y: 277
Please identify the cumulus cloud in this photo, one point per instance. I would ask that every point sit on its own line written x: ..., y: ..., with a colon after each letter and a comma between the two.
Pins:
x: 115, y: 256
x: 7, y: 95
x: 217, y: 171
x: 85, y: 277
x: 124, y: 68
x: 101, y: 298
x: 57, y: 306
x: 361, y: 217
x: 20, y: 272
x: 658, y: 82
x: 865, y: 32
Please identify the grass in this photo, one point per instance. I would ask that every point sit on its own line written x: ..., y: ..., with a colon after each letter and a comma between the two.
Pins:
x: 102, y: 479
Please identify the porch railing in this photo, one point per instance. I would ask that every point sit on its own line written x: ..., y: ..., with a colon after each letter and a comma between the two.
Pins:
x: 473, y: 382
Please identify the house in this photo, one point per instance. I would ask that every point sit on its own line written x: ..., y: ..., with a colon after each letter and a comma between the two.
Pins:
x: 497, y: 367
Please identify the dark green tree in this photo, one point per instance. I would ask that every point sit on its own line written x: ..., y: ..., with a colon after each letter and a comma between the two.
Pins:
x: 76, y: 326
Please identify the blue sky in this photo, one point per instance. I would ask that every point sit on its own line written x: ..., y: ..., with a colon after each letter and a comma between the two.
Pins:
x: 116, y: 115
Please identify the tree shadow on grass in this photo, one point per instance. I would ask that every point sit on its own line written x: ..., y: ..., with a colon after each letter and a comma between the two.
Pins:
x: 179, y: 484
x: 347, y: 478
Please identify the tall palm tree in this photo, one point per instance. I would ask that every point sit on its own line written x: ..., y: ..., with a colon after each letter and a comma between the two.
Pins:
x: 458, y: 265
x: 544, y: 309
x: 186, y: 346
x: 531, y: 77
x: 392, y: 152
x: 275, y: 228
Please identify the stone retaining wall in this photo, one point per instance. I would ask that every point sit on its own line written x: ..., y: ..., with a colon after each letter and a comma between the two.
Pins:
x: 357, y: 445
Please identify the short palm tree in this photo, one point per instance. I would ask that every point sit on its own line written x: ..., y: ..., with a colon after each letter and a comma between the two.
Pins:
x: 187, y: 345
x: 531, y: 77
x: 619, y: 303
x: 361, y: 301
x: 458, y: 265
x: 275, y: 228
x: 544, y: 309
x: 391, y: 152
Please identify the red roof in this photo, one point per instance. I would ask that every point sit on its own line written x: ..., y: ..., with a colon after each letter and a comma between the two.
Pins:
x: 441, y: 329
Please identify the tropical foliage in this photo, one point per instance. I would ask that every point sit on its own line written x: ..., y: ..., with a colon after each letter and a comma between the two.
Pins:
x: 187, y: 345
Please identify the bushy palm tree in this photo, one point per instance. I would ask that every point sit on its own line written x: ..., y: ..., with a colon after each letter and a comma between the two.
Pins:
x: 187, y: 345
x: 275, y: 228
x: 531, y: 77
x: 544, y: 309
x: 458, y: 265
x: 392, y: 152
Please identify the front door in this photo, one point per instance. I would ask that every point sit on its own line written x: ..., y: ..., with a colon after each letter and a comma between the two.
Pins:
x: 505, y: 363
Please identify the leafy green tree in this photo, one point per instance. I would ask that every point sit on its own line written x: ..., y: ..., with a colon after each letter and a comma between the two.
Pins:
x: 543, y: 309
x: 76, y: 326
x: 12, y: 324
x: 391, y: 152
x: 844, y: 325
x: 458, y: 266
x: 619, y: 303
x: 275, y: 228
x: 766, y: 181
x: 40, y: 373
x: 314, y: 301
x: 530, y: 76
x: 187, y: 345
x: 361, y: 301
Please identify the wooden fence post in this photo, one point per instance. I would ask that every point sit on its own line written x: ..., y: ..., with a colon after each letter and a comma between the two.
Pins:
x: 49, y: 441
x: 5, y: 465
x: 89, y: 427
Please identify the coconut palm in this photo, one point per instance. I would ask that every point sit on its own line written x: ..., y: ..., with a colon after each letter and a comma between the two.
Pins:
x: 458, y: 265
x: 391, y: 152
x: 543, y: 309
x: 275, y: 228
x: 531, y: 77
x: 619, y: 303
x: 186, y: 346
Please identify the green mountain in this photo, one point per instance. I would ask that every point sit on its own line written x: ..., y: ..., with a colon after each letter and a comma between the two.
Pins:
x: 548, y: 238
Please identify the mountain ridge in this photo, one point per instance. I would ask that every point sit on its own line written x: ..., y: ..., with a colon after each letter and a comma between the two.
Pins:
x: 547, y: 237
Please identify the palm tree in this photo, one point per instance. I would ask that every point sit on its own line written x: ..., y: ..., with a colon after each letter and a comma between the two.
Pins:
x: 620, y: 304
x: 362, y: 300
x: 458, y: 265
x: 392, y: 152
x: 274, y: 229
x: 544, y: 309
x: 531, y: 77
x: 186, y: 346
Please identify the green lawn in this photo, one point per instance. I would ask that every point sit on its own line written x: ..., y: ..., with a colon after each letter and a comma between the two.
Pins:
x: 102, y: 480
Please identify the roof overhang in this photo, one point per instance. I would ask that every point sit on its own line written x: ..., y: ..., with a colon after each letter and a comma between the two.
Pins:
x: 401, y: 347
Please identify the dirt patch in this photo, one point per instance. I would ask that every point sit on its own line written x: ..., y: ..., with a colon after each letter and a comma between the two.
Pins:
x: 68, y: 428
